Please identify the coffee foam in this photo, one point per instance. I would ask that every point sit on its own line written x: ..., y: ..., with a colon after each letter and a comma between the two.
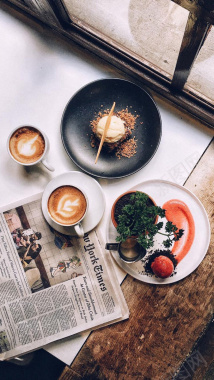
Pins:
x: 27, y: 145
x: 67, y: 205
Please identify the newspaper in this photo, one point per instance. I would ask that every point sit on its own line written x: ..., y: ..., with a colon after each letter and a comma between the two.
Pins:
x: 51, y: 285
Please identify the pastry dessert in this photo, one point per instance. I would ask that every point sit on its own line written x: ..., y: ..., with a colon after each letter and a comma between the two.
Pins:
x: 162, y: 267
x: 161, y: 263
x: 119, y: 134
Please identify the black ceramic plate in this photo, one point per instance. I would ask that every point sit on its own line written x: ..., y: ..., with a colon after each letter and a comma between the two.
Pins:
x: 83, y: 107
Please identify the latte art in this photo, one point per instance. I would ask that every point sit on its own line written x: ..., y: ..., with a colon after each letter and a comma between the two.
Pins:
x: 67, y: 205
x: 27, y: 145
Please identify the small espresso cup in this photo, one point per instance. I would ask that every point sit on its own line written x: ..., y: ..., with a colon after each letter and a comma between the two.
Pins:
x: 24, y: 158
x: 67, y: 206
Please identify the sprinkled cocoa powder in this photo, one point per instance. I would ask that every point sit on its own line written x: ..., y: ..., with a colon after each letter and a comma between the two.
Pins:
x: 127, y: 146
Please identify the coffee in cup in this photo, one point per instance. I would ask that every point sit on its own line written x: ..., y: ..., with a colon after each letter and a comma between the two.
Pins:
x: 67, y: 205
x: 28, y: 146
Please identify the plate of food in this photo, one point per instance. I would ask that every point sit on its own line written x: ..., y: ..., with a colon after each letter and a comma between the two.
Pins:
x: 176, y: 233
x: 134, y: 130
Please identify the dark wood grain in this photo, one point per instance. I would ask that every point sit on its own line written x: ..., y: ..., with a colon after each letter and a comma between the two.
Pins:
x: 164, y: 322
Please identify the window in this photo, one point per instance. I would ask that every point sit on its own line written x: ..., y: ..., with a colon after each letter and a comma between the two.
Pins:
x: 201, y: 78
x: 135, y: 27
x: 166, y: 44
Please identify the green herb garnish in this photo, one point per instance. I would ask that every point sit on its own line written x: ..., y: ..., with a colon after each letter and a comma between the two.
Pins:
x: 137, y: 218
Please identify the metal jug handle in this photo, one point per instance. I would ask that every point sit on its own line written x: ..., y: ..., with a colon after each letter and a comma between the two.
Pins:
x: 112, y: 246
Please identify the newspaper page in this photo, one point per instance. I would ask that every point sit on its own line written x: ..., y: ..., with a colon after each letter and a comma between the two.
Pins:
x: 51, y: 285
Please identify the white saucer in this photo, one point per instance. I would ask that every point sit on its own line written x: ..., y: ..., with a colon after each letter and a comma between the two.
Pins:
x: 162, y: 191
x: 93, y: 191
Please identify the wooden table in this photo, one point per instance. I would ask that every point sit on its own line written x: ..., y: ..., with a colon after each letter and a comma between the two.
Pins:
x: 165, y: 322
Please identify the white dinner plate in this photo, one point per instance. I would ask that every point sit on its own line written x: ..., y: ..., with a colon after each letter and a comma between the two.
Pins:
x: 94, y: 192
x: 162, y: 191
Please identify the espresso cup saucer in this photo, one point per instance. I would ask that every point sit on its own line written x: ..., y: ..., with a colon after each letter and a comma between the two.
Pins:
x: 95, y: 195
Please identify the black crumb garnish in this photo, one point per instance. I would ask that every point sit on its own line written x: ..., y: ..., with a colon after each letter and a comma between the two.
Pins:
x: 149, y: 260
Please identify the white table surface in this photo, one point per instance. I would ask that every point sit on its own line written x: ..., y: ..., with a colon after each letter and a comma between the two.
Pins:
x: 39, y: 73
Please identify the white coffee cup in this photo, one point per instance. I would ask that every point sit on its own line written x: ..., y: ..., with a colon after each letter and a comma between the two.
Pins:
x: 78, y: 228
x: 42, y: 159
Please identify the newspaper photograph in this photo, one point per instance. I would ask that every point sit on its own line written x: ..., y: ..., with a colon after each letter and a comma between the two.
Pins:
x: 51, y: 285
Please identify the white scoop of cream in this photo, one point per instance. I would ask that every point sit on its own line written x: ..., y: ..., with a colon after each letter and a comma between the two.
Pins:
x: 115, y: 131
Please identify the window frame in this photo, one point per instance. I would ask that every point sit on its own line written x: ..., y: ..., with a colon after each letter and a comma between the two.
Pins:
x: 53, y: 13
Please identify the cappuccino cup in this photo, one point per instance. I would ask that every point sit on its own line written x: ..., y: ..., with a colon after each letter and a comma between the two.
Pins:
x: 67, y: 206
x: 28, y: 145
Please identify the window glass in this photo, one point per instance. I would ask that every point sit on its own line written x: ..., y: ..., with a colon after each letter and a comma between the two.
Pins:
x: 150, y: 30
x: 201, y: 79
